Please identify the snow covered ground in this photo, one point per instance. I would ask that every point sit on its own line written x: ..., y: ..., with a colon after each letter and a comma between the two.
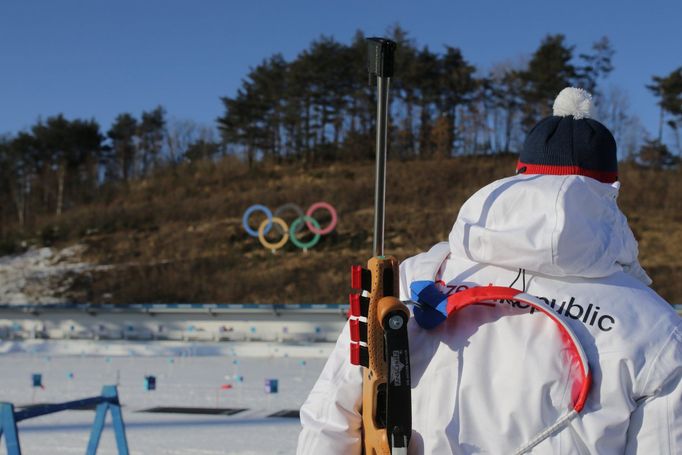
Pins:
x: 187, y: 375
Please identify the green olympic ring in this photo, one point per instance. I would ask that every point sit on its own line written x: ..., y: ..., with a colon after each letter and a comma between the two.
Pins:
x: 294, y: 226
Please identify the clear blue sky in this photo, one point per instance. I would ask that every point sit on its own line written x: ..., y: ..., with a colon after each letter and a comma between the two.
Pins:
x: 100, y: 58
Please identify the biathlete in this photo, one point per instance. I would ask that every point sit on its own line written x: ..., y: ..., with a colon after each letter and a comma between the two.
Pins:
x: 488, y: 379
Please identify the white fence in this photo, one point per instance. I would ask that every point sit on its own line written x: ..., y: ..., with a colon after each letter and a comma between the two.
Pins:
x: 190, y: 322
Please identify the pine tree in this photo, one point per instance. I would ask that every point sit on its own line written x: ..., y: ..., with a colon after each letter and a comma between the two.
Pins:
x: 426, y: 79
x: 669, y: 91
x: 150, y: 133
x: 404, y: 86
x: 597, y: 65
x: 456, y: 87
x: 549, y: 71
x: 123, y: 133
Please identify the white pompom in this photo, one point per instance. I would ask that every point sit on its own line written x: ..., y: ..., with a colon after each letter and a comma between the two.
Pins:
x: 573, y: 101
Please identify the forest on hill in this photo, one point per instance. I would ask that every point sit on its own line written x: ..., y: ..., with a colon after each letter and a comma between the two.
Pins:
x: 178, y: 237
x: 160, y: 200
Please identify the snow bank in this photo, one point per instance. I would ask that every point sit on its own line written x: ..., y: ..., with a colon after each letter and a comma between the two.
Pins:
x: 40, y: 275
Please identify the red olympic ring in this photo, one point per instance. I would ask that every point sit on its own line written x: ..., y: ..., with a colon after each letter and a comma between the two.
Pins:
x: 332, y: 223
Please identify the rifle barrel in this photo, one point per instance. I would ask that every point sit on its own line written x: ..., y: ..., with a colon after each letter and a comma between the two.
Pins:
x: 381, y: 150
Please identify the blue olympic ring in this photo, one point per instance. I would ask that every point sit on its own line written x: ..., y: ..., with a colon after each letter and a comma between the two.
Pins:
x: 249, y: 212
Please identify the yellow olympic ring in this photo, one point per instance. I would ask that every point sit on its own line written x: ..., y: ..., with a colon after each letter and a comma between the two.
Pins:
x: 261, y: 233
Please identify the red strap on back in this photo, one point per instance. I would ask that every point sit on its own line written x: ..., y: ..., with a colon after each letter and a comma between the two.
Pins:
x: 478, y: 294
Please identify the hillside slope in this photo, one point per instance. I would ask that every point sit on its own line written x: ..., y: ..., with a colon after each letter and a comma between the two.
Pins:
x: 177, y: 237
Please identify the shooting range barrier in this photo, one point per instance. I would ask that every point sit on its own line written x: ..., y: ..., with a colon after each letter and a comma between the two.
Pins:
x: 150, y: 383
x: 107, y: 401
x: 271, y: 386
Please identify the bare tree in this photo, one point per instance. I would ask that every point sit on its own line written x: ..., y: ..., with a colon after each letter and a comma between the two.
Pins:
x: 179, y: 135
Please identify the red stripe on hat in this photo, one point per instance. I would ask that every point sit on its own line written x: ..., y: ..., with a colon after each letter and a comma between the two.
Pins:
x: 550, y: 169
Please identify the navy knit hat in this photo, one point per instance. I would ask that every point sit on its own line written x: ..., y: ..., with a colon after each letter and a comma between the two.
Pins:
x: 570, y: 142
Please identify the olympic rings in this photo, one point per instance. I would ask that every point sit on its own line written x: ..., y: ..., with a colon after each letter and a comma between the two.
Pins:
x: 247, y: 215
x: 304, y: 219
x: 291, y: 207
x: 288, y: 206
x: 261, y: 233
x: 332, y: 212
x: 298, y: 222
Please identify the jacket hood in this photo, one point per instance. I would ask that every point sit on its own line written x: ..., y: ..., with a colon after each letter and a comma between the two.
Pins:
x: 562, y: 226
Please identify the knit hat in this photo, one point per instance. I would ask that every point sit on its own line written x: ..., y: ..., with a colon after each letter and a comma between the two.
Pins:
x: 570, y: 142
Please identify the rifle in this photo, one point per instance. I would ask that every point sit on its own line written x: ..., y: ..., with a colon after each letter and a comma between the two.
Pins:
x: 378, y: 320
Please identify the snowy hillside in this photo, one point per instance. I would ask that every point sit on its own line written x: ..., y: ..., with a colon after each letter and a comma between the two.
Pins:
x: 41, y: 275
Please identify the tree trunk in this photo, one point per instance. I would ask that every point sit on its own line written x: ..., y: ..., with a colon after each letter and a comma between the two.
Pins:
x: 509, y: 127
x: 660, y: 125
x: 61, y: 174
x: 409, y: 120
x: 353, y: 114
x: 19, y: 198
x: 307, y: 146
x: 250, y: 155
x: 424, y: 133
x: 452, y: 130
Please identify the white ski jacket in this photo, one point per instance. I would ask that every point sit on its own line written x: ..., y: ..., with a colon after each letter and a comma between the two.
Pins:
x: 490, y: 378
